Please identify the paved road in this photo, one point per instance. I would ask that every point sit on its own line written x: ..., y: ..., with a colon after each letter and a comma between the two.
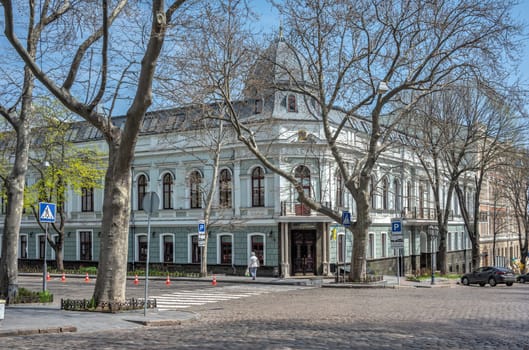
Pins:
x: 325, y: 318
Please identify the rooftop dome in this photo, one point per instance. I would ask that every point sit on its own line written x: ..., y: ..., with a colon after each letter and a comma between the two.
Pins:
x: 279, y: 66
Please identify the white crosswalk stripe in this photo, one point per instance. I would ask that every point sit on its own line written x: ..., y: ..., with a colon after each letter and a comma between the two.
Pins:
x: 183, y: 299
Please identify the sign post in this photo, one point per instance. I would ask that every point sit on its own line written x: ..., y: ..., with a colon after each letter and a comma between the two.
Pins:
x: 346, y: 222
x: 397, y: 242
x: 201, y: 241
x: 47, y: 213
x: 151, y: 203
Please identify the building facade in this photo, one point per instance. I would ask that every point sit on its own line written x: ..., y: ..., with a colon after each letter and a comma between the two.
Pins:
x: 255, y: 209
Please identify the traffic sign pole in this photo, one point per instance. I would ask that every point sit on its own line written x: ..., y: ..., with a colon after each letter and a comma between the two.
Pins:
x: 47, y: 214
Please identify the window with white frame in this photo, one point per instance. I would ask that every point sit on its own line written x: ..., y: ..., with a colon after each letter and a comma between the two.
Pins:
x: 167, y: 191
x: 23, y: 246
x: 371, y: 246
x: 397, y: 205
x: 195, y: 194
x: 168, y: 248
x: 257, y: 246
x: 85, y: 245
x: 385, y: 193
x: 383, y: 245
x: 226, y: 249
x: 225, y: 189
x: 258, y: 188
x: 196, y: 252
x: 142, y: 190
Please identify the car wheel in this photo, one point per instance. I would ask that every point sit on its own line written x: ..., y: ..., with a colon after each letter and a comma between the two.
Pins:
x: 465, y: 281
x: 492, y: 282
x: 509, y: 284
x: 522, y: 279
x: 481, y: 284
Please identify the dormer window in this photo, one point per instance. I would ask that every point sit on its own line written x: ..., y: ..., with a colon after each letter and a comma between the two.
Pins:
x: 291, y: 103
x: 258, y: 106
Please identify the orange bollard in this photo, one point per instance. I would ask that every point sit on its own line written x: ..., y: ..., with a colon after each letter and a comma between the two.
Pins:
x: 86, y: 278
x: 48, y: 278
x: 136, y: 280
x: 167, y: 281
x: 214, y: 281
x: 63, y: 278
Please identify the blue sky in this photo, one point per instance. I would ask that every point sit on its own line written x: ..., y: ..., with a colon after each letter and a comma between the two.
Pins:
x: 522, y: 13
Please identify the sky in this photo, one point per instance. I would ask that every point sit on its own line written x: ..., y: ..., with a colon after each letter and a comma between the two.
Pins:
x: 522, y: 13
x: 270, y: 21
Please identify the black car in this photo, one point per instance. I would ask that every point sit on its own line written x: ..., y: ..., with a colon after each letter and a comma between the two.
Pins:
x: 489, y: 274
x: 523, y: 278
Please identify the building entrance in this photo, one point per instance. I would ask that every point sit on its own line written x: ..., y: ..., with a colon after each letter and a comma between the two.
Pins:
x: 303, y: 250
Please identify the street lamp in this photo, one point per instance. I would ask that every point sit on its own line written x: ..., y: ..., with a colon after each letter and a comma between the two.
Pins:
x: 432, y: 233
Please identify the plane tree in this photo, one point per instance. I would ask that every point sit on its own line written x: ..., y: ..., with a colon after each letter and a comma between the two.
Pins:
x: 356, y: 60
x: 16, y: 101
x: 84, y: 78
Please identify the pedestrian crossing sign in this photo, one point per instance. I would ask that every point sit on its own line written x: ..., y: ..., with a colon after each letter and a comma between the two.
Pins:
x: 346, y: 218
x: 47, y: 212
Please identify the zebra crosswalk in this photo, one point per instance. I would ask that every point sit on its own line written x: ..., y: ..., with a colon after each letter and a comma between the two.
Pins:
x: 183, y: 299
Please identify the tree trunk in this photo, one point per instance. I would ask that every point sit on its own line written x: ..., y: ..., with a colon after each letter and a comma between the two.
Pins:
x: 112, y: 272
x: 476, y: 259
x: 9, y: 264
x: 59, y: 254
x: 360, y: 230
x: 441, y: 263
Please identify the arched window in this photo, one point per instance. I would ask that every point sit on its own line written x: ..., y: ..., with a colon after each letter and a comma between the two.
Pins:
x: 339, y: 190
x: 372, y: 193
x: 225, y: 189
x: 167, y: 191
x: 409, y: 196
x: 302, y: 175
x: 397, y: 196
x: 195, y: 181
x: 385, y: 193
x: 142, y: 190
x: 292, y: 104
x: 258, y: 187
x: 421, y: 201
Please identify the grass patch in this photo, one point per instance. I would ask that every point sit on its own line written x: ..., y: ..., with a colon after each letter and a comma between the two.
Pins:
x: 25, y: 296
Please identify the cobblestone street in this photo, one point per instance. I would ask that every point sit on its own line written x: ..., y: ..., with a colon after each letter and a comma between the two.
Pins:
x: 328, y: 318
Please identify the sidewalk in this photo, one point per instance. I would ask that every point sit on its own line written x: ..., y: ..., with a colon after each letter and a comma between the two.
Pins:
x: 27, y: 319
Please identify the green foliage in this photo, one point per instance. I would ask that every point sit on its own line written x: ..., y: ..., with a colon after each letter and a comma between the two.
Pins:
x: 69, y: 167
x: 27, y: 296
x: 92, y: 270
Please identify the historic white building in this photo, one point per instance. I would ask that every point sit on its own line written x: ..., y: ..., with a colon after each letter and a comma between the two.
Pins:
x: 255, y: 209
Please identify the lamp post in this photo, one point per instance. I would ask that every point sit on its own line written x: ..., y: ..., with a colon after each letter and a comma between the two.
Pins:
x: 432, y: 233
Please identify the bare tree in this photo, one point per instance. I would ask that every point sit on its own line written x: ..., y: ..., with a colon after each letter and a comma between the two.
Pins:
x: 498, y: 131
x: 18, y: 116
x: 515, y: 185
x: 364, y: 61
x: 120, y: 138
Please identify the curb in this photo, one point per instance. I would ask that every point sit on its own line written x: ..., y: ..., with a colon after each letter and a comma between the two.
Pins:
x: 50, y: 330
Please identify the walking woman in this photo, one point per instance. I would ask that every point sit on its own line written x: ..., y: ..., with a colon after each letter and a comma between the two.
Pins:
x: 253, y: 264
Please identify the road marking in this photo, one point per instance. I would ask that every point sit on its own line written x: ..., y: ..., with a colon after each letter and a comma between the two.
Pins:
x: 187, y: 298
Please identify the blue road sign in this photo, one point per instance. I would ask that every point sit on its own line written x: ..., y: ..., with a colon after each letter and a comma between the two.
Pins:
x: 47, y: 212
x: 201, y: 227
x: 346, y: 218
x: 396, y: 226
